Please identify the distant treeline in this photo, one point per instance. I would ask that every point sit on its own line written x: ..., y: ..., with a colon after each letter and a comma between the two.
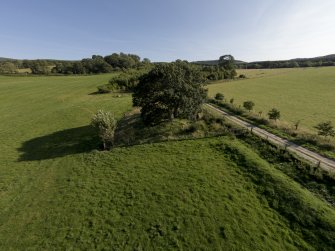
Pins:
x: 121, y: 61
x: 127, y: 80
x: 300, y: 62
x: 293, y: 63
x: 94, y: 65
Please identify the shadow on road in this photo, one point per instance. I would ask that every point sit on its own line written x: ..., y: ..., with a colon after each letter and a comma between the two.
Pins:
x: 60, y: 144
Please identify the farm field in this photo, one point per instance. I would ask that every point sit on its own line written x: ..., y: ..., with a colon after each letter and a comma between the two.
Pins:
x: 305, y: 94
x: 58, y: 192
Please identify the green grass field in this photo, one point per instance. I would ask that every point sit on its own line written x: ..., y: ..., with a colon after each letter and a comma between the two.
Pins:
x: 58, y: 193
x: 305, y: 94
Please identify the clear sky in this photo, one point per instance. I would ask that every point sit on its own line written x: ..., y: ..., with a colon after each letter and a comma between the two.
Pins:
x: 166, y: 30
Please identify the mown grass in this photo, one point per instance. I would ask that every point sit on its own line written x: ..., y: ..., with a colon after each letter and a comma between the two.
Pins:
x: 305, y: 94
x: 58, y: 192
x: 161, y: 196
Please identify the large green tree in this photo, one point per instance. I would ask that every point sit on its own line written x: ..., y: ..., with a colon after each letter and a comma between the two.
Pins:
x: 227, y: 62
x: 123, y: 61
x: 40, y: 67
x: 169, y: 91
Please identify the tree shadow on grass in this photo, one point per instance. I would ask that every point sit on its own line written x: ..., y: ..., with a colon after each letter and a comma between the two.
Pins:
x: 60, y: 144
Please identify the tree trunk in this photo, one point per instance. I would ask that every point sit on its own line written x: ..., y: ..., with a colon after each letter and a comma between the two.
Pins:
x: 171, y: 115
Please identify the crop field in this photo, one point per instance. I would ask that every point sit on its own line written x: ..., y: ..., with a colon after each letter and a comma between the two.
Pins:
x: 305, y: 94
x: 58, y: 192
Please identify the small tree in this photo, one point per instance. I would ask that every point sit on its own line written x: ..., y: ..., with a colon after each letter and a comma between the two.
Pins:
x: 227, y: 62
x: 231, y: 101
x: 249, y: 105
x: 274, y: 114
x: 105, y: 123
x: 219, y: 96
x: 326, y: 129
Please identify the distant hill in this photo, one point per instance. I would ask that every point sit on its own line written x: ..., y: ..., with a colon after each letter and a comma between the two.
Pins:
x: 215, y: 62
x: 328, y: 60
x: 6, y: 59
x: 38, y: 59
x: 330, y: 57
x: 327, y: 57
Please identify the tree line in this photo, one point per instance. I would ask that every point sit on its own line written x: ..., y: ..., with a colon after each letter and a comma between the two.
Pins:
x: 293, y: 63
x: 127, y: 80
x: 126, y: 63
x: 328, y: 60
x: 285, y: 64
x: 94, y: 65
x: 121, y: 61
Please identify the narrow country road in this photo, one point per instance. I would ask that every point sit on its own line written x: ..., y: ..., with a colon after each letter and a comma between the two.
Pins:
x: 312, y: 157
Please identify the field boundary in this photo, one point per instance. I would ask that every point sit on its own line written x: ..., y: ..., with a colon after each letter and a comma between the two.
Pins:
x: 310, y: 156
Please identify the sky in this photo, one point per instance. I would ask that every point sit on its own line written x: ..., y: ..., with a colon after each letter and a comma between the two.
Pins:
x: 166, y: 30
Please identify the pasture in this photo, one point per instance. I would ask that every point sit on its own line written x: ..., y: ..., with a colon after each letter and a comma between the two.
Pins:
x: 58, y: 192
x: 305, y: 94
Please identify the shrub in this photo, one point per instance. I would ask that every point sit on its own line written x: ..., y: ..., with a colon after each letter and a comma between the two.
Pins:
x: 219, y: 96
x: 274, y: 114
x: 127, y: 80
x: 249, y: 105
x: 255, y: 118
x: 105, y: 123
x: 242, y: 76
x: 326, y: 129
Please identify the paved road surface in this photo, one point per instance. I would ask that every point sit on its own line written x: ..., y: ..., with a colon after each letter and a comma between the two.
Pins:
x: 312, y: 157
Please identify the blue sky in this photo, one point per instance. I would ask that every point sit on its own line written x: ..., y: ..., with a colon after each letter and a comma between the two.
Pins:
x: 166, y: 30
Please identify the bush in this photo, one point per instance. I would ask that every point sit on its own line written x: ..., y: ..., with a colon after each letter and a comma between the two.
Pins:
x: 219, y: 96
x: 105, y: 123
x: 256, y: 119
x: 249, y: 105
x: 274, y: 114
x: 126, y: 81
x: 325, y: 129
x: 242, y: 76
